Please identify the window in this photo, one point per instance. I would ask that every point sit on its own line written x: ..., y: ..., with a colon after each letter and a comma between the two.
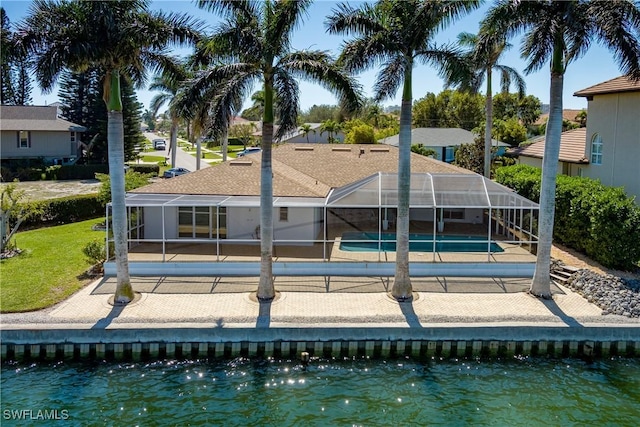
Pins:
x: 596, y: 150
x: 73, y: 137
x: 24, y: 139
x: 284, y: 214
x: 453, y: 213
x: 200, y: 222
x: 449, y: 155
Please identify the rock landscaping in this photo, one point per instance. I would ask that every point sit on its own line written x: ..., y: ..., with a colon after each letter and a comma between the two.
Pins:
x: 614, y: 295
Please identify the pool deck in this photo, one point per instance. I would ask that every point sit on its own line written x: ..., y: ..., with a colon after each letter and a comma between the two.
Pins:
x: 210, y: 310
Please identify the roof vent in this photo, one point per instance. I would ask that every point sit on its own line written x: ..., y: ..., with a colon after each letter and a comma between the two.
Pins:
x: 379, y: 149
x: 341, y: 149
x: 241, y: 163
x: 303, y: 148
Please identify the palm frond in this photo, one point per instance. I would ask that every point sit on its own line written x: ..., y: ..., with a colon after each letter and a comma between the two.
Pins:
x: 229, y: 8
x: 347, y: 20
x: 287, y: 16
x: 286, y: 89
x: 390, y: 78
x: 509, y: 75
x: 448, y: 60
x: 364, y: 53
x: 158, y: 101
x: 318, y: 66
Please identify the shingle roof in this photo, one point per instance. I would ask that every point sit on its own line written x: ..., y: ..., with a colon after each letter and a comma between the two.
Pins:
x: 572, y: 147
x: 619, y: 84
x: 305, y: 170
x: 35, y: 118
x: 437, y: 137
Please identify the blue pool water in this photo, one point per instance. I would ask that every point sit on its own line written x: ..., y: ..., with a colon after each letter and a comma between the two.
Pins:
x: 368, y: 242
x: 397, y: 392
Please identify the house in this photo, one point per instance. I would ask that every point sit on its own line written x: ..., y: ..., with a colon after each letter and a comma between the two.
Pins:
x: 324, y: 195
x: 613, y: 134
x: 608, y: 149
x: 443, y: 141
x: 36, y: 132
x: 316, y: 135
x: 571, y: 161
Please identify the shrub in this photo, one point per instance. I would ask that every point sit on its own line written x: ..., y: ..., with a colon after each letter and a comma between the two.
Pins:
x: 132, y: 180
x: 597, y: 220
x: 65, y: 210
x: 147, y: 169
x: 75, y: 171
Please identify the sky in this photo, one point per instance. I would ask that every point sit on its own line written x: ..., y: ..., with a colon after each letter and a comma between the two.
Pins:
x: 595, y: 67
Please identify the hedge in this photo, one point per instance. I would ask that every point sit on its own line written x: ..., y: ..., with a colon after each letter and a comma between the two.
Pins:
x: 600, y: 221
x: 76, y: 171
x: 65, y: 210
x: 147, y: 169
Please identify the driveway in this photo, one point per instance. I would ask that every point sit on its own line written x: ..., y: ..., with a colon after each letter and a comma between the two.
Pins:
x: 183, y: 159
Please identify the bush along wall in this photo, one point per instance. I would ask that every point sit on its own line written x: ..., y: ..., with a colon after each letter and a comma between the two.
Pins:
x: 65, y: 210
x: 600, y: 221
x: 146, y: 169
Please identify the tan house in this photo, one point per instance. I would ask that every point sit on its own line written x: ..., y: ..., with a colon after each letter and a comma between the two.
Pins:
x: 608, y: 149
x: 571, y: 161
x: 36, y: 132
x: 613, y: 134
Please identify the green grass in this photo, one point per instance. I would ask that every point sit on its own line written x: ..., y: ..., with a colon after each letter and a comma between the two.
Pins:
x: 50, y: 268
x: 152, y: 159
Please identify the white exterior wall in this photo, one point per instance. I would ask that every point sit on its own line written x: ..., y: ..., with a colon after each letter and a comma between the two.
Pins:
x: 242, y: 222
x: 616, y: 118
x: 43, y: 144
x: 314, y: 138
x: 153, y: 222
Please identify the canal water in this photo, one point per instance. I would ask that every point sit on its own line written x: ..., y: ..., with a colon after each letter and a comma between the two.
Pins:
x: 398, y: 392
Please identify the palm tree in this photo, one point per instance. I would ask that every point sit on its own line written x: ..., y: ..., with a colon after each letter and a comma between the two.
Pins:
x: 121, y: 38
x: 252, y: 45
x: 397, y: 35
x: 169, y: 84
x: 557, y: 33
x: 482, y: 60
x: 331, y: 127
x: 306, y: 130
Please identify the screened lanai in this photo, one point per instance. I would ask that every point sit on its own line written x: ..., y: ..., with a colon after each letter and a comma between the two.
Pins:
x: 453, y: 217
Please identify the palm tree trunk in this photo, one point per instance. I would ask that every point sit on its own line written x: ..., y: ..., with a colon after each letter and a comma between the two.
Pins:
x: 488, y: 126
x: 541, y: 284
x: 402, y: 289
x: 225, y: 144
x: 115, y: 142
x: 198, y: 153
x: 173, y: 141
x: 266, y: 290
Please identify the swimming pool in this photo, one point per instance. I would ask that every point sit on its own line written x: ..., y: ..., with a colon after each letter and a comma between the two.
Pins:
x: 357, y: 241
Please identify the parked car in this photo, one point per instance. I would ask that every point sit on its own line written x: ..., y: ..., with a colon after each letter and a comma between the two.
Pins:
x: 170, y: 173
x: 249, y: 150
x: 159, y: 144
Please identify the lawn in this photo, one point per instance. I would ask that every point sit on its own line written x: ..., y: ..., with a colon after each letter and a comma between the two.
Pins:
x: 50, y: 268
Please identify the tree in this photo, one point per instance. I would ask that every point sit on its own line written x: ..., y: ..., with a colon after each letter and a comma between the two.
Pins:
x: 15, y: 80
x: 510, y: 131
x: 168, y: 84
x: 120, y: 38
x: 252, y: 44
x: 471, y: 156
x: 331, y: 127
x: 581, y: 118
x: 12, y: 213
x: 397, y: 35
x: 557, y: 33
x: 482, y: 59
x: 526, y: 109
x: 243, y: 131
x: 358, y: 132
x: 306, y: 130
x: 422, y: 150
x: 449, y: 109
x: 320, y: 113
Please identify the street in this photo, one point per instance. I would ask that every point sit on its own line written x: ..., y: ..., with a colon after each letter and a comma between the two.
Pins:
x: 183, y: 160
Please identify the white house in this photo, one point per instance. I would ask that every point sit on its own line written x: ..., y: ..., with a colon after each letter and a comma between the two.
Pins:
x: 326, y: 195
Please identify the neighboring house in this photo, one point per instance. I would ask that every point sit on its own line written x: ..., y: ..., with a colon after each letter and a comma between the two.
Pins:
x: 444, y: 141
x: 568, y: 115
x: 572, y: 160
x: 613, y: 134
x: 608, y: 149
x: 36, y: 132
x: 316, y: 136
